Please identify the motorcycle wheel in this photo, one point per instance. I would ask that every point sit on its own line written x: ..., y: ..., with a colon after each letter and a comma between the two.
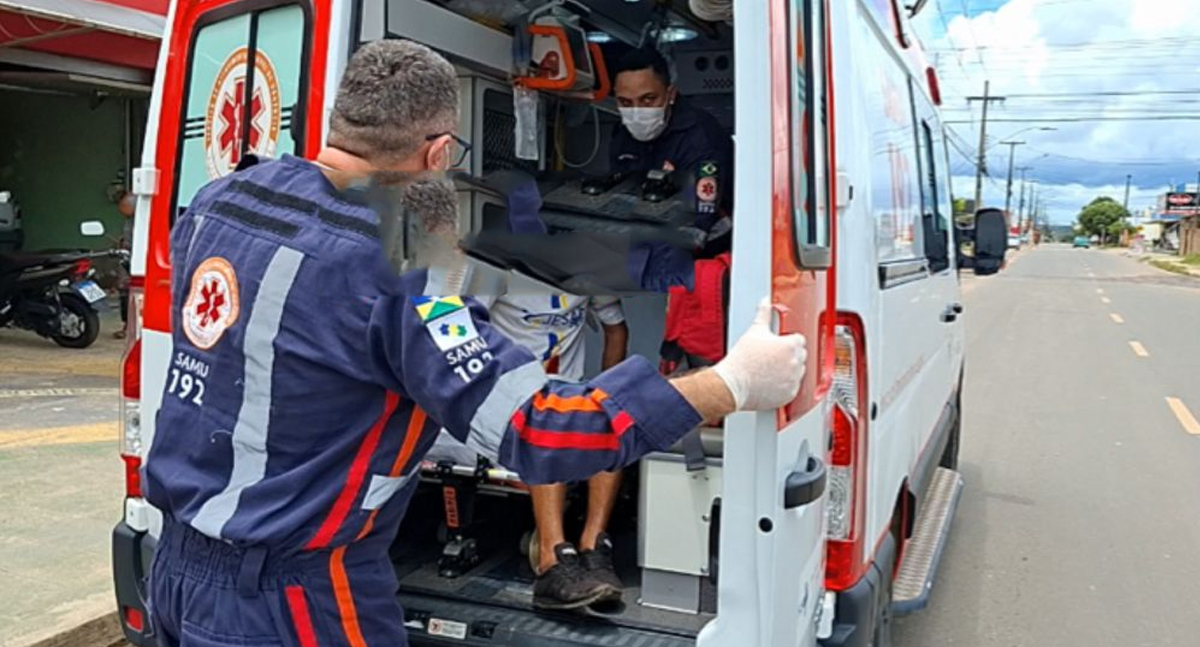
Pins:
x: 79, y: 324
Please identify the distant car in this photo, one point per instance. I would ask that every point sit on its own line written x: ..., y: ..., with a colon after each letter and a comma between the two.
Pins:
x: 1082, y: 241
x: 1014, y: 242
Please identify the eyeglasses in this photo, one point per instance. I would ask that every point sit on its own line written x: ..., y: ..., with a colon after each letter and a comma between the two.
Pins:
x: 464, y: 147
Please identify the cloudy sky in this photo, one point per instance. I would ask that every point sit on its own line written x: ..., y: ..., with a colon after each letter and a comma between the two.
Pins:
x: 1118, y: 79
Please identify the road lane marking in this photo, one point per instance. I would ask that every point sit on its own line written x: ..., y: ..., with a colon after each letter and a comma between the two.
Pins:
x: 1117, y: 319
x: 1099, y: 290
x: 1189, y: 422
x: 1091, y: 275
x: 54, y: 393
x: 1139, y: 349
x: 72, y: 435
x: 1105, y: 300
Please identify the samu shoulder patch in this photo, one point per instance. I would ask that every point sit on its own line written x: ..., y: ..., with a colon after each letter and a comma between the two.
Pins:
x: 212, y: 304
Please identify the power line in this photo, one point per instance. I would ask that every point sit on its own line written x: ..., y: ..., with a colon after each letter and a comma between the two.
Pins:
x: 974, y: 38
x: 1084, y: 119
x: 1119, y: 42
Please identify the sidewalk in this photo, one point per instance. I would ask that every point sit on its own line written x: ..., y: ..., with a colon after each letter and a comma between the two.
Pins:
x: 1166, y: 262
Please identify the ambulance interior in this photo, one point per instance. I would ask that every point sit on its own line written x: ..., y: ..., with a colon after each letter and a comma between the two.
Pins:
x: 468, y: 534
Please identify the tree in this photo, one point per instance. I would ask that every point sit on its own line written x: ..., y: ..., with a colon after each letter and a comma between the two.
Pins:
x: 1103, y: 217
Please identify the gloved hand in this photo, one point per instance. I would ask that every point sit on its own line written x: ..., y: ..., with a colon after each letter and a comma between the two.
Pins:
x: 763, y: 370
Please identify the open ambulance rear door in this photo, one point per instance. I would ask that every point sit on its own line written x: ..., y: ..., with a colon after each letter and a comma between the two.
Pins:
x: 772, y: 526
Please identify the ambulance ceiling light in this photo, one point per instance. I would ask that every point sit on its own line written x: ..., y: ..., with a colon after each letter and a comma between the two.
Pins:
x: 676, y: 34
x: 599, y: 37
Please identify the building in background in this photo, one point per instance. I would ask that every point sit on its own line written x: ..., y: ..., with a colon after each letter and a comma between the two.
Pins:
x: 75, y: 77
x: 1173, y: 220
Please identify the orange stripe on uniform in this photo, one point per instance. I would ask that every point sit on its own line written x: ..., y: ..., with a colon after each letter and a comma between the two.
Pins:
x: 572, y: 404
x: 354, y: 479
x: 345, y: 600
x: 411, y: 435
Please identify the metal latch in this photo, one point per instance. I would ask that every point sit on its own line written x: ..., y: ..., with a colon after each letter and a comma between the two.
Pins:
x: 145, y: 180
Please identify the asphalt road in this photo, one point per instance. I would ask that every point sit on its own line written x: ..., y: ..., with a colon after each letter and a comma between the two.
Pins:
x: 1080, y: 521
x: 61, y: 482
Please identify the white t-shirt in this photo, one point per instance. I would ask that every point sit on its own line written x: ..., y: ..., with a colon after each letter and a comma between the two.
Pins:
x: 551, y: 325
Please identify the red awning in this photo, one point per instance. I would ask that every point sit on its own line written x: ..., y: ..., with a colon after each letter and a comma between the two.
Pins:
x: 123, y: 33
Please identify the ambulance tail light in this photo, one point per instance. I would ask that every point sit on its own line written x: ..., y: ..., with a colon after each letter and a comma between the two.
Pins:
x: 847, y: 458
x: 131, y: 393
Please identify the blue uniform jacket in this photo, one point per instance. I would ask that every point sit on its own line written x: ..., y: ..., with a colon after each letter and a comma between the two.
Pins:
x: 307, y: 379
x: 694, y: 145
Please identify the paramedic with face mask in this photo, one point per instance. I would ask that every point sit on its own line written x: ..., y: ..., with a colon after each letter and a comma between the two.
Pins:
x: 308, y: 380
x: 660, y: 130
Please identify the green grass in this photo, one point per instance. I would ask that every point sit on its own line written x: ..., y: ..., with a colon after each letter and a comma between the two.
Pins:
x: 1191, y: 259
x: 1171, y: 267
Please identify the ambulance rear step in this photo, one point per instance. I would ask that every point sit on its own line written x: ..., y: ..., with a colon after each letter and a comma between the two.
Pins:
x: 914, y: 582
x: 435, y: 622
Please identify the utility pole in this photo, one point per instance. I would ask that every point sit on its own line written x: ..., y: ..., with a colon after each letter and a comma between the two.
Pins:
x: 981, y: 164
x: 1012, y: 149
x: 1021, y: 204
x: 1034, y: 200
x: 1128, y: 181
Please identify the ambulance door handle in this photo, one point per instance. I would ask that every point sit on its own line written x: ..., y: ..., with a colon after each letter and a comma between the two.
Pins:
x: 802, y: 488
x: 950, y: 314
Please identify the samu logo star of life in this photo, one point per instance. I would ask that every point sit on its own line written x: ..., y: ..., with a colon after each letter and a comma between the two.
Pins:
x: 212, y: 304
x: 227, y: 135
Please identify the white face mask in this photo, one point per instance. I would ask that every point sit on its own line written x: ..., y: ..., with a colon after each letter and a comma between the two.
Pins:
x: 644, y: 124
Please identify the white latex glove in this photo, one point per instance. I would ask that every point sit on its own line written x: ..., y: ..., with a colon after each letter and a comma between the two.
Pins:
x: 763, y: 370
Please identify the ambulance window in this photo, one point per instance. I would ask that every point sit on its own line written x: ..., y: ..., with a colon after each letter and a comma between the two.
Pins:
x: 810, y: 171
x: 895, y: 164
x: 231, y: 110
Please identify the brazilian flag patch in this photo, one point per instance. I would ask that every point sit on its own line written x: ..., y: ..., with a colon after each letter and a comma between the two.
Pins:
x: 430, y: 308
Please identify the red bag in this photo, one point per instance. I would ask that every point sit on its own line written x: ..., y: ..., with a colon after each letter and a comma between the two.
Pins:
x: 696, y: 320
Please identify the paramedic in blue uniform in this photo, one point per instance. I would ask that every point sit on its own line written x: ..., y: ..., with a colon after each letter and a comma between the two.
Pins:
x: 661, y: 131
x: 307, y: 379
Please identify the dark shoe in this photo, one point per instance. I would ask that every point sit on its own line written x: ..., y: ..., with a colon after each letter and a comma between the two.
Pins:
x: 599, y: 563
x: 568, y: 585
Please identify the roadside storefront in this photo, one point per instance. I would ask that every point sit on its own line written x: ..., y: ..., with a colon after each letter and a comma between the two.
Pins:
x: 75, y: 78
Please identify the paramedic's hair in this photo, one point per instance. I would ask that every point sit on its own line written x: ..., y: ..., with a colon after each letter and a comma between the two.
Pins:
x: 646, y: 58
x: 435, y: 202
x: 393, y: 95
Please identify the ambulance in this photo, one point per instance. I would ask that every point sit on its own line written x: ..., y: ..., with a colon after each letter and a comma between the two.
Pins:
x: 815, y: 524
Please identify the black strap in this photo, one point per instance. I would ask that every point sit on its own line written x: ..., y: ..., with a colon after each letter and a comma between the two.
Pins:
x: 250, y: 571
x: 693, y: 451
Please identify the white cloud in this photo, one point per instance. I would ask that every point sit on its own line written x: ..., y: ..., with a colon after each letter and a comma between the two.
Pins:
x: 1073, y: 47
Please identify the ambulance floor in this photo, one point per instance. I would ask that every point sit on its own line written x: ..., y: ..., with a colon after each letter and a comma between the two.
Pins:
x: 504, y: 579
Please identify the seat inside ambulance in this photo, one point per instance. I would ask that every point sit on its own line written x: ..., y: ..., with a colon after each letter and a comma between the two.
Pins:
x: 468, y: 533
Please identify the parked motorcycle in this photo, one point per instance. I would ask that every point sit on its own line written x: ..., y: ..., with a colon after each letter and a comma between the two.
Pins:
x: 53, y: 294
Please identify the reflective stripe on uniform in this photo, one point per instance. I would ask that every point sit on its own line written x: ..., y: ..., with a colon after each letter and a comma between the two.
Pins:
x: 511, y: 390
x: 249, y: 440
x: 354, y: 479
x: 301, y: 617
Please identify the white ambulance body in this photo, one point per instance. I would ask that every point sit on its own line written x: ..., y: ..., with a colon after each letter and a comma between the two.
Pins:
x: 808, y: 525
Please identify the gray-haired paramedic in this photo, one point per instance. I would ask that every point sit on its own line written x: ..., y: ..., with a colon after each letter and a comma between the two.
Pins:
x: 317, y: 378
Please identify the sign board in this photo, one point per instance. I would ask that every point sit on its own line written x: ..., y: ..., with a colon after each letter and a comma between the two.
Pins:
x: 1176, y: 202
